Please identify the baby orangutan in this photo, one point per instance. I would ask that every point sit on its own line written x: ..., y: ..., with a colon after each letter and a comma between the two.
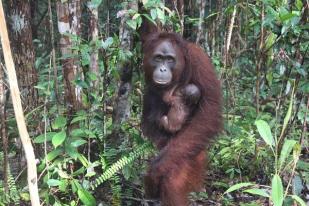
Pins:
x: 181, y: 102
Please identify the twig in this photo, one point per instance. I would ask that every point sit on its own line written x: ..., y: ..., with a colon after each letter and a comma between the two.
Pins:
x: 20, y: 119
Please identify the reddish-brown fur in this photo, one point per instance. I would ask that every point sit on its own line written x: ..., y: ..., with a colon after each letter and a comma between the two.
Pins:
x: 179, y: 167
x: 178, y: 112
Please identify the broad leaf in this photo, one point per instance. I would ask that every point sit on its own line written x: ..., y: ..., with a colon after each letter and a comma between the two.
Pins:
x: 288, y: 114
x: 153, y: 14
x: 256, y: 191
x: 238, y: 186
x: 285, y: 151
x: 58, y: 138
x: 299, y: 200
x: 132, y: 24
x: 60, y: 122
x: 265, y: 132
x: 53, y: 182
x: 277, y: 190
x: 86, y: 197
x: 41, y: 138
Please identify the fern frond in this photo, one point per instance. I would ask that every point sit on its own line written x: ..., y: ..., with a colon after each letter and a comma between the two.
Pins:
x: 121, y: 163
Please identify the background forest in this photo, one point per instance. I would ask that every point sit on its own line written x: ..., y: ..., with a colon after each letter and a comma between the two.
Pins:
x: 78, y: 66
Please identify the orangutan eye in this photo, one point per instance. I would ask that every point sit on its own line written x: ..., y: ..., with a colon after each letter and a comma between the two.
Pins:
x: 158, y: 58
x: 170, y: 59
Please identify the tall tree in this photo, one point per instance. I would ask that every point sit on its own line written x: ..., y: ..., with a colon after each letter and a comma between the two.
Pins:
x: 69, y: 15
x: 19, y: 15
x: 122, y: 108
x: 200, y: 30
x: 18, y: 110
x: 93, y: 35
x: 3, y: 130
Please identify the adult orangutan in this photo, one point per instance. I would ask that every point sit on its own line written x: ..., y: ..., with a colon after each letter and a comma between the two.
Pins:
x: 179, y: 77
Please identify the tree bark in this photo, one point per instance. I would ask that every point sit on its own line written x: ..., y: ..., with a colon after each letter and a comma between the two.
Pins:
x: 69, y: 23
x: 200, y: 30
x: 18, y: 110
x: 93, y: 35
x: 19, y: 15
x: 122, y: 108
x: 53, y: 53
x: 3, y: 130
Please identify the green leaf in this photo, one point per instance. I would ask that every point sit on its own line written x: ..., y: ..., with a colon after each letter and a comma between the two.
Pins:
x: 270, y: 40
x: 288, y: 114
x: 277, y: 190
x: 83, y: 160
x: 78, y: 119
x: 78, y: 142
x: 107, y: 43
x: 53, y: 182
x: 297, y: 184
x: 285, y: 151
x: 58, y: 138
x: 299, y: 200
x: 86, y: 197
x: 256, y: 191
x: 60, y: 122
x: 93, y: 4
x: 238, y: 186
x: 287, y: 16
x: 71, y: 151
x: 78, y: 133
x: 153, y: 14
x: 161, y: 15
x: 299, y: 4
x: 53, y: 154
x: 41, y: 138
x: 150, y: 19
x: 135, y: 16
x: 131, y: 24
x: 265, y: 132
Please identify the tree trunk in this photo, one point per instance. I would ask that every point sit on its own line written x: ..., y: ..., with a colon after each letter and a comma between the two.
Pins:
x: 69, y: 23
x: 19, y: 15
x: 18, y: 110
x: 200, y: 39
x: 93, y: 35
x: 3, y: 131
x: 122, y: 108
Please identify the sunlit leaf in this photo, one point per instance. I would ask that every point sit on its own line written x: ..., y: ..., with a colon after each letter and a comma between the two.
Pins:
x: 265, y: 132
x: 153, y: 14
x: 59, y: 122
x: 107, y: 43
x: 299, y: 200
x: 53, y: 182
x: 41, y: 138
x: 285, y: 151
x: 256, y: 191
x: 277, y: 190
x: 288, y: 114
x: 238, y: 186
x: 58, y: 138
x: 131, y: 24
x: 86, y: 197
